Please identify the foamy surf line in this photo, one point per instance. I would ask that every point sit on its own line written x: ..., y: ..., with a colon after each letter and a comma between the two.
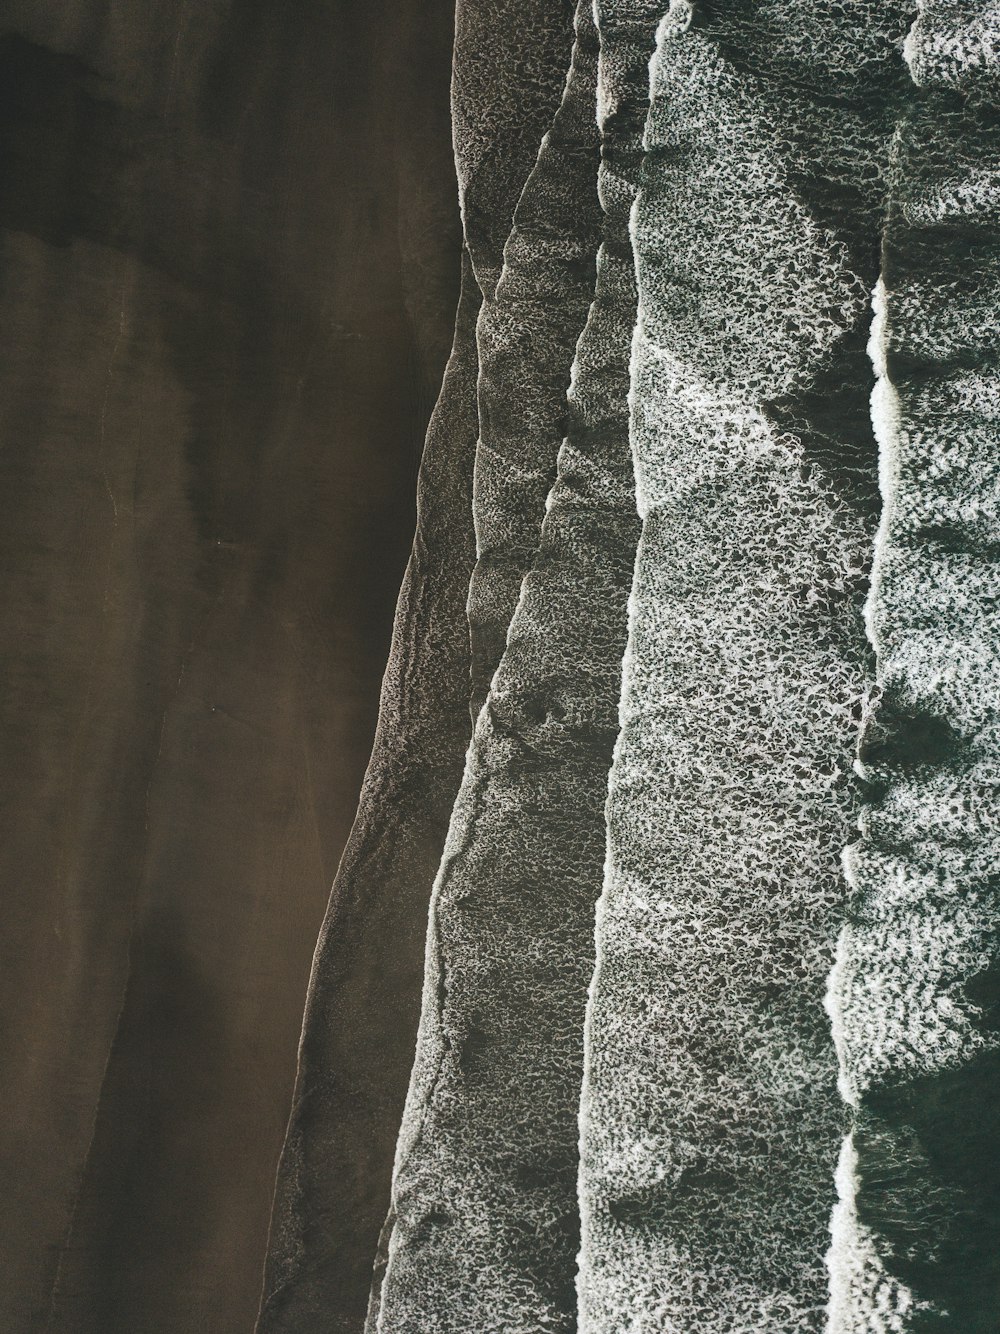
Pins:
x: 789, y: 1059
x: 484, y: 1196
x: 711, y: 1123
x: 913, y: 995
x: 526, y: 336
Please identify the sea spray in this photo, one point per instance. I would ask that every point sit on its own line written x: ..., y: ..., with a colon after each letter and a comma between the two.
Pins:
x: 711, y: 1122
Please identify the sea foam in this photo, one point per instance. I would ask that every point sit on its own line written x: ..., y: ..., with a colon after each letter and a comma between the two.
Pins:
x: 526, y: 335
x: 913, y: 995
x: 484, y: 1230
x: 711, y: 1122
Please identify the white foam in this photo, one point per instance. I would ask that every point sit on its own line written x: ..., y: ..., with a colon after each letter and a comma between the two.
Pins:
x: 864, y: 1298
x: 924, y: 913
x: 710, y: 1118
x: 484, y: 1186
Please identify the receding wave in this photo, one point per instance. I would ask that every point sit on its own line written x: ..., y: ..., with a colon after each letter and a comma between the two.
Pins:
x: 484, y: 1226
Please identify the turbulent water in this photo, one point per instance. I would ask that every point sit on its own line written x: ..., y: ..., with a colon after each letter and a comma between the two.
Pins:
x: 914, y: 994
x: 527, y: 331
x: 682, y: 1065
x: 485, y: 1218
x: 711, y: 1118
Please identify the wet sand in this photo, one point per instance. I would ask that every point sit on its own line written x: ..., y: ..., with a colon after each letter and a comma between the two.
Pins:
x: 229, y: 264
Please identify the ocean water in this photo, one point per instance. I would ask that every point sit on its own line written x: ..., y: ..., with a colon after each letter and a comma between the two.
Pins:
x: 484, y: 1230
x: 509, y: 73
x: 526, y: 335
x: 913, y: 997
x: 711, y: 1122
x: 777, y: 1107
